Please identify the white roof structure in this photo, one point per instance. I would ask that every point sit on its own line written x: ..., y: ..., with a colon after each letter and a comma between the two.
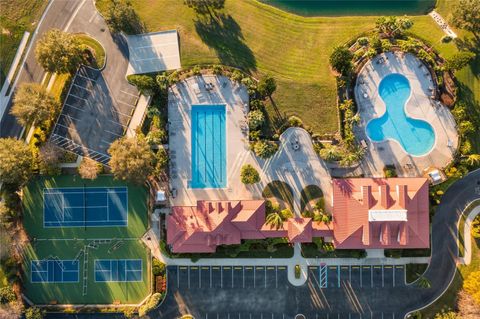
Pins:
x: 153, y: 52
x: 160, y: 196
x: 387, y: 215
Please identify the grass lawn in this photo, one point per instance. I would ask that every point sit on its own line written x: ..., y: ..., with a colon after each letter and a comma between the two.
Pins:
x: 262, y: 39
x: 414, y: 271
x: 97, y: 48
x: 16, y: 17
x: 67, y: 242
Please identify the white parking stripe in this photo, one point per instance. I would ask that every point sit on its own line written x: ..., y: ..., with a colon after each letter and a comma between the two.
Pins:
x: 128, y: 93
x: 113, y: 133
x: 86, y: 77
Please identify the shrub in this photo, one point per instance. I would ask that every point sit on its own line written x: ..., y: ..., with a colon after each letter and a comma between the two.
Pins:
x: 255, y: 119
x: 196, y: 70
x: 236, y: 76
x: 34, y: 313
x: 363, y: 41
x: 7, y: 295
x: 425, y: 56
x: 286, y: 214
x: 297, y: 271
x: 295, y: 121
x: 150, y: 304
x: 389, y: 171
x: 341, y: 60
x: 254, y: 135
x: 217, y: 69
x: 265, y: 149
x: 144, y: 83
x: 158, y: 268
x: 249, y: 175
x: 466, y: 148
x: 376, y: 44
x: 371, y: 53
x: 466, y: 127
x: 386, y: 45
x: 330, y: 153
x: 256, y: 105
x: 156, y: 136
x: 447, y: 39
x: 173, y: 77
x: 475, y: 230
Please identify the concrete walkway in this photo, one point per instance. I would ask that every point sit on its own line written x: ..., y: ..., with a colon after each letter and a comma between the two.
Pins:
x: 442, y: 24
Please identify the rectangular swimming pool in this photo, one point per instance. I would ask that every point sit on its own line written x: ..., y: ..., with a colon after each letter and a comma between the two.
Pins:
x: 208, y: 146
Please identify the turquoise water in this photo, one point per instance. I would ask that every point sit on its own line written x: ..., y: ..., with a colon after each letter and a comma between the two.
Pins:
x: 208, y: 146
x: 352, y: 7
x: 415, y: 136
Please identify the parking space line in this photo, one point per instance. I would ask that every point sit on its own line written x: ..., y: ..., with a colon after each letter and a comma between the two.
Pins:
x: 253, y: 277
x: 128, y: 104
x: 266, y: 279
x: 86, y: 77
x: 350, y: 274
x: 221, y: 278
x: 188, y: 276
x: 178, y: 278
x: 338, y: 277
x: 81, y: 98
x: 82, y: 110
x: 243, y: 269
x: 371, y: 276
x: 360, y: 272
x: 128, y: 93
x: 276, y: 277
x: 82, y: 87
x: 393, y: 276
x: 113, y: 133
x: 210, y: 277
x: 232, y: 277
x: 199, y: 277
x: 383, y: 276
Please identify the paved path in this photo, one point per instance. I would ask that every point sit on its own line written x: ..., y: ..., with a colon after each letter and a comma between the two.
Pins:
x: 442, y: 24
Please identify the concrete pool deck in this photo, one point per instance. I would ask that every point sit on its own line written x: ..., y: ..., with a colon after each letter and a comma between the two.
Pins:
x: 419, y: 106
x: 181, y: 97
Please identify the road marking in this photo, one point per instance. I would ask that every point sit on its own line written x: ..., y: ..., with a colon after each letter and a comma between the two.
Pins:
x: 129, y: 93
x: 178, y: 278
x: 282, y: 268
x: 361, y: 284
x: 371, y: 277
x: 188, y: 276
x: 221, y: 278
x: 253, y: 278
x: 350, y: 274
x: 210, y: 277
x: 383, y: 277
x: 205, y: 267
x: 199, y: 277
x: 244, y: 279
x: 232, y: 277
x: 393, y: 276
x: 338, y: 277
x: 276, y: 277
x: 266, y: 279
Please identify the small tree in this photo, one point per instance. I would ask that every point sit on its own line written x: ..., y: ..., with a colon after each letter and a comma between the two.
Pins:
x: 341, y: 60
x: 249, y: 175
x: 473, y: 159
x: 132, y: 159
x: 466, y: 127
x: 161, y: 161
x: 267, y: 86
x: 472, y: 285
x: 34, y: 313
x: 59, y: 52
x: 89, y: 169
x: 32, y: 103
x: 15, y: 161
x: 144, y: 83
x: 466, y: 15
x: 120, y: 16
x: 265, y: 149
x: 286, y: 214
x: 459, y: 61
x: 205, y: 6
x: 49, y: 156
x: 255, y: 119
x: 7, y: 295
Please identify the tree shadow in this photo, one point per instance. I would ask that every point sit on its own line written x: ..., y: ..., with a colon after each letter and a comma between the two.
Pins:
x: 223, y: 34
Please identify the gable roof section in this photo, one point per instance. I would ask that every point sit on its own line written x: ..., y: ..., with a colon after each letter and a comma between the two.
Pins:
x: 399, y: 207
x: 213, y: 223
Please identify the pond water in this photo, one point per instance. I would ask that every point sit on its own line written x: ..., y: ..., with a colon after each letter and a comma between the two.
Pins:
x: 353, y: 7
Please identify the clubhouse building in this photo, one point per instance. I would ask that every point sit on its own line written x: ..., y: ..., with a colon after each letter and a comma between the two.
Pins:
x: 367, y: 213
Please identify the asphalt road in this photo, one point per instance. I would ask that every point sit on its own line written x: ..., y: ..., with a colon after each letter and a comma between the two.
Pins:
x: 58, y: 16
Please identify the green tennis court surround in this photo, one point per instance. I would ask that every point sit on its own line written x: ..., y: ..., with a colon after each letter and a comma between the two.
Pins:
x: 61, y: 263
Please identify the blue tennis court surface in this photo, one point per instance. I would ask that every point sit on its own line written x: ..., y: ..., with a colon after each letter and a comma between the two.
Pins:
x: 118, y: 270
x: 54, y: 271
x: 85, y: 207
x: 209, y: 157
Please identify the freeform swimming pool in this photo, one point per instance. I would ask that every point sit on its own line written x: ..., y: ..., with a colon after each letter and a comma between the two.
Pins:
x: 208, y: 146
x: 415, y: 136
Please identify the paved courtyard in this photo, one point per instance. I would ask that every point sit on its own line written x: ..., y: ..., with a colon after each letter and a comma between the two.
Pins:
x: 419, y: 106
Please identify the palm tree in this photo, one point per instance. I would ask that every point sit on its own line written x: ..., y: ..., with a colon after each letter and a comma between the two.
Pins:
x: 423, y: 282
x: 274, y: 220
x: 473, y: 159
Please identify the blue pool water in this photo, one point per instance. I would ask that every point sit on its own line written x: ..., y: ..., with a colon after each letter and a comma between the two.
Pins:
x: 208, y: 147
x: 415, y: 136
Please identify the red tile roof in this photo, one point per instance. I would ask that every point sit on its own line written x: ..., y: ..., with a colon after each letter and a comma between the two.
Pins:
x: 380, y: 213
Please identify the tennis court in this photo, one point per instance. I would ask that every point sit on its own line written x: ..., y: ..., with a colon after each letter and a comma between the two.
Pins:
x: 119, y: 270
x: 85, y: 207
x: 54, y: 271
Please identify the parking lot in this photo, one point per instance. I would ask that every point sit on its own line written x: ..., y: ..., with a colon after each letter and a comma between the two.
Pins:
x: 92, y: 118
x: 331, y: 292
